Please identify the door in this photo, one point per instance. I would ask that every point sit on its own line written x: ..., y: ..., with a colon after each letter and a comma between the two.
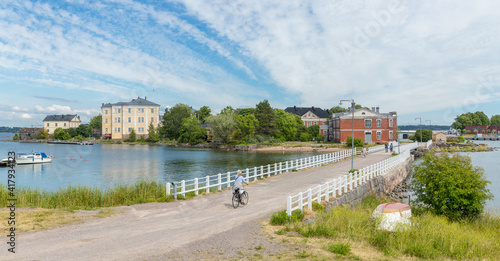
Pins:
x: 368, y: 137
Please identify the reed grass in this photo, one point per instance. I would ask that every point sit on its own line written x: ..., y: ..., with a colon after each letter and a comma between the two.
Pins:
x: 85, y: 197
x: 429, y: 236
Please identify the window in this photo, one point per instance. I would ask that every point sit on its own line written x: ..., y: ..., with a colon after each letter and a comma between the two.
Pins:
x: 65, y: 124
x: 106, y: 120
x: 140, y: 129
x: 368, y: 123
x: 390, y: 135
x: 129, y: 110
x: 129, y: 119
x: 140, y: 110
x: 379, y: 123
x: 48, y: 130
x: 105, y: 111
x: 106, y: 130
x: 379, y: 134
x: 390, y: 122
x: 117, y: 119
x: 56, y: 124
x: 152, y: 110
x: 129, y: 130
x: 152, y: 119
x: 140, y: 119
x: 47, y: 124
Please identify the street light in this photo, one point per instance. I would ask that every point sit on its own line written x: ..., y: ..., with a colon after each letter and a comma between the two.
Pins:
x: 352, y: 137
x: 420, y: 118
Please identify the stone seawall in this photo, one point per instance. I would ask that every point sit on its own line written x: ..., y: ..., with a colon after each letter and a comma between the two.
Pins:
x: 382, y: 185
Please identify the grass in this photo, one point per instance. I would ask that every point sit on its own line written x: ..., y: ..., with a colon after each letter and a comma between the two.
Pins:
x: 430, y: 236
x: 84, y: 197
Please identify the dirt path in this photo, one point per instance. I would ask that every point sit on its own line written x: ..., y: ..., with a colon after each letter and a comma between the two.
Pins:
x: 172, y: 230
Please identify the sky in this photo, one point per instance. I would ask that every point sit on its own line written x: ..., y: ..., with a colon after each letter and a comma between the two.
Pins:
x: 431, y: 60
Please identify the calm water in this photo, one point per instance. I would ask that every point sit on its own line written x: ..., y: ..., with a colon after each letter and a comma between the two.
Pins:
x: 108, y: 164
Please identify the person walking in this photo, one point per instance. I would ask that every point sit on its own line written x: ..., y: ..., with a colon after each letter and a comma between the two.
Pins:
x: 386, y: 147
x: 363, y: 152
x: 392, y: 147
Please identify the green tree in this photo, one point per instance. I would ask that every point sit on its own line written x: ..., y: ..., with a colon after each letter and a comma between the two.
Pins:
x: 95, y: 123
x: 426, y: 135
x: 42, y: 135
x: 16, y: 136
x: 203, y: 113
x: 288, y: 125
x: 450, y: 185
x: 245, y: 126
x: 246, y: 111
x: 71, y: 132
x: 305, y: 136
x: 132, y: 136
x: 154, y: 135
x: 173, y: 119
x: 81, y: 130
x: 61, y: 134
x: 266, y: 117
x: 484, y: 120
x: 222, y: 125
x: 495, y: 120
x: 192, y: 132
x: 313, y: 130
x: 337, y: 109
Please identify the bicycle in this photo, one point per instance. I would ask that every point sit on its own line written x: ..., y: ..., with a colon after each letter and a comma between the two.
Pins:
x: 239, y: 198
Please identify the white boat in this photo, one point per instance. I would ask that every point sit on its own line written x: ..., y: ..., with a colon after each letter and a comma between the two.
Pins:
x: 31, y: 158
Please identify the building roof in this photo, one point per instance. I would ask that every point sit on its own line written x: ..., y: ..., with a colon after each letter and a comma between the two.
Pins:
x: 303, y: 110
x: 363, y: 112
x: 67, y: 117
x: 138, y: 101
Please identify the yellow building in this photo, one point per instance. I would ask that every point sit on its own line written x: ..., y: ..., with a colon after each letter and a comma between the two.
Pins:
x: 118, y: 119
x: 52, y: 122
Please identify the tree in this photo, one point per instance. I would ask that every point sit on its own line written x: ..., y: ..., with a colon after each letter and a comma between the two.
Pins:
x: 222, y: 125
x: 61, y: 134
x: 203, y: 113
x: 245, y: 126
x: 173, y: 119
x: 192, y: 132
x: 42, y: 135
x: 132, y: 136
x: 313, y: 130
x: 337, y: 109
x: 357, y: 142
x: 288, y: 125
x: 94, y: 124
x: 16, y: 136
x: 495, y: 120
x: 71, y: 132
x: 153, y: 134
x: 246, y: 111
x: 266, y: 117
x: 450, y: 185
x: 81, y: 130
x: 426, y: 135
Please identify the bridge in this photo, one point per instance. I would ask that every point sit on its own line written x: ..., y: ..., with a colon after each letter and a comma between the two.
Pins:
x: 158, y: 231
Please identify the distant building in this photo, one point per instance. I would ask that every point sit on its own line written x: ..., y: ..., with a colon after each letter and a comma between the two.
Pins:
x: 29, y: 133
x: 439, y: 136
x: 118, y: 119
x: 52, y: 122
x: 312, y: 116
x: 371, y: 126
x: 482, y: 129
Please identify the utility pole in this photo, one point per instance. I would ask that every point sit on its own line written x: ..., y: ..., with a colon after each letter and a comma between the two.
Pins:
x: 420, y: 118
x: 352, y: 137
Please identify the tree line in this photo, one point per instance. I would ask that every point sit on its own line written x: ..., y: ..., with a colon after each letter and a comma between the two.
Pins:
x: 476, y: 118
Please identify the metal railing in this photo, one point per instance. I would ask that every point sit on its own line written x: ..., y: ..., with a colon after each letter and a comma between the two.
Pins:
x: 341, y: 185
x: 223, y: 180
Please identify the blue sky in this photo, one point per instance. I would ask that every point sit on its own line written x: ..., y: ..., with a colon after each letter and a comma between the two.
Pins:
x: 429, y: 59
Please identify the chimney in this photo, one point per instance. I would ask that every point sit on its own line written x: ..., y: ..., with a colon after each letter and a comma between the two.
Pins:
x: 312, y: 108
x: 378, y: 109
x: 145, y: 98
x: 294, y: 107
x: 373, y: 108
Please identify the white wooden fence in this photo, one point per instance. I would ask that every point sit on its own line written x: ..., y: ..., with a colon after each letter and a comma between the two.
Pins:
x: 341, y: 185
x: 223, y: 180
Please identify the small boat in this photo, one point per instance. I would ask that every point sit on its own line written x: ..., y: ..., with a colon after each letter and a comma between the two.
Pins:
x: 30, y: 158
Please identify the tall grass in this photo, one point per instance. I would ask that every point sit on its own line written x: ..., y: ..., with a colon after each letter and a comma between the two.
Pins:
x: 85, y: 197
x: 429, y: 236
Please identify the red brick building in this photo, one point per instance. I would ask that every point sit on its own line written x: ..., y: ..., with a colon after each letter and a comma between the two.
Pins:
x: 482, y: 129
x: 312, y: 116
x: 369, y: 125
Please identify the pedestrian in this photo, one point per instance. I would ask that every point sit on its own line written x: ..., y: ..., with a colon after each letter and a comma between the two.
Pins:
x: 391, y: 147
x: 386, y: 147
x: 363, y: 151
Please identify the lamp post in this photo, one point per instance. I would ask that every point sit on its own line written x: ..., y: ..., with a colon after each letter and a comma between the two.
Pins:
x: 352, y: 137
x: 420, y: 118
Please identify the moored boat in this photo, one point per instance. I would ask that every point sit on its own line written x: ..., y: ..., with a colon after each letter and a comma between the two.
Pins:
x: 30, y: 158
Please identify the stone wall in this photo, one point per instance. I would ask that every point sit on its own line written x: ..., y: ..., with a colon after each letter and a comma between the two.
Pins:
x: 382, y: 185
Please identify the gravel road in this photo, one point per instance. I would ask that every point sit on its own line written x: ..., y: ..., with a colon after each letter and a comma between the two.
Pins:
x: 206, y: 227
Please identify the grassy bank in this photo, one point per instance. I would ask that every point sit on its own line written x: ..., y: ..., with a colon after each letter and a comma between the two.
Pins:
x: 351, y: 232
x: 84, y: 197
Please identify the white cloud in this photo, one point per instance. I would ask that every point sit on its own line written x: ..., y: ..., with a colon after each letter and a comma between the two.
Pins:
x: 17, y: 108
x: 26, y: 116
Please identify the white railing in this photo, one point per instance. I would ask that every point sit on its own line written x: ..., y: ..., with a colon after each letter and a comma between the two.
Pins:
x: 429, y: 143
x: 223, y: 180
x: 346, y: 183
x: 381, y: 147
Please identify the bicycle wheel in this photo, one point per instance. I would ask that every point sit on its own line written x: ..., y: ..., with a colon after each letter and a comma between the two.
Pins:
x: 244, y: 198
x: 236, y: 201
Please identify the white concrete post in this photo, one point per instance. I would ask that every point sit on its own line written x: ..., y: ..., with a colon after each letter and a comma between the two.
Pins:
x: 281, y: 168
x: 319, y: 194
x: 309, y: 199
x: 247, y: 175
x: 268, y: 170
x: 183, y: 187
x: 219, y: 181
x: 289, y: 206
x: 301, y: 201
x: 286, y: 166
x: 196, y: 186
x: 167, y: 188
x: 228, y: 179
x: 327, y: 193
x: 345, y: 184
x: 255, y: 172
x: 207, y: 178
x: 275, y: 169
x: 262, y: 171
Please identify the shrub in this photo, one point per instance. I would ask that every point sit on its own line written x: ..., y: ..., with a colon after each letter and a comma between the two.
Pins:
x: 297, y: 215
x: 279, y: 218
x: 450, y: 186
x: 460, y: 139
x: 357, y: 142
x: 316, y: 206
x: 451, y: 140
